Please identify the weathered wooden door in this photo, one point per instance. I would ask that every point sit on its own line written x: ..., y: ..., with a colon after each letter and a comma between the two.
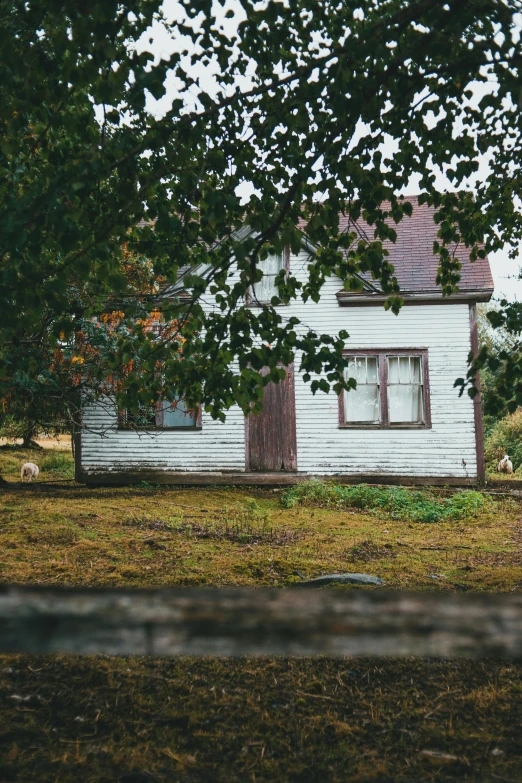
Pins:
x: 270, y: 435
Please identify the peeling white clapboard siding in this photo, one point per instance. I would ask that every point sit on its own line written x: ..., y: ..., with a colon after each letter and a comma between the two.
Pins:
x: 323, y: 447
x: 216, y: 446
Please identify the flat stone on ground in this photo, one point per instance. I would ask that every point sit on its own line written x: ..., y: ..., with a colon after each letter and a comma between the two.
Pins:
x: 352, y: 579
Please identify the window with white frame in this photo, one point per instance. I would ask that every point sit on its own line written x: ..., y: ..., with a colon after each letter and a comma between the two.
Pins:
x: 392, y: 389
x: 265, y: 289
x: 405, y: 389
x: 363, y: 403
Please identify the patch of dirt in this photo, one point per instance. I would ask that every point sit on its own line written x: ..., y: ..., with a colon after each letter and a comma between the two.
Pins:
x: 195, y: 720
x: 57, y: 535
x: 242, y: 534
x: 368, y: 550
x: 145, y: 523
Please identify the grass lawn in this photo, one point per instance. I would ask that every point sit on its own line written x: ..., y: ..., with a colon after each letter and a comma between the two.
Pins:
x: 107, y: 719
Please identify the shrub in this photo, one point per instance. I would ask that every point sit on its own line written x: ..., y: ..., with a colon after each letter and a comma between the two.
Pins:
x: 505, y: 438
x: 396, y: 502
x: 466, y: 504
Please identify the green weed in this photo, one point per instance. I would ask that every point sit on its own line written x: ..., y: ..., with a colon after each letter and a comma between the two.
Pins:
x: 397, y: 502
x: 244, y: 523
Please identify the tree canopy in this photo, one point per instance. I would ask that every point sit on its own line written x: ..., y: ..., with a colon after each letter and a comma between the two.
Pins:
x: 313, y: 110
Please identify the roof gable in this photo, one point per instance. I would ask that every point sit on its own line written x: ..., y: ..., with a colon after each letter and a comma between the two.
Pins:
x: 411, y: 255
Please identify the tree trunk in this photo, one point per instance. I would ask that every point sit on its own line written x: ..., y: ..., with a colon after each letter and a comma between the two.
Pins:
x: 28, y: 442
x: 27, y: 438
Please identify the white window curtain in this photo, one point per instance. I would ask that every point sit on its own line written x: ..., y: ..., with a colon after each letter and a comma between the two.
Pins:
x: 363, y: 403
x: 405, y: 390
x: 266, y: 288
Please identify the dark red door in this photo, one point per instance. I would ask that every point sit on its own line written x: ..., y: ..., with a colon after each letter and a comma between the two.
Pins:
x: 270, y: 435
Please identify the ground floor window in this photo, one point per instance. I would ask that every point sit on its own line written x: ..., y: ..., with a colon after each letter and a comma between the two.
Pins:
x: 165, y: 415
x: 392, y: 389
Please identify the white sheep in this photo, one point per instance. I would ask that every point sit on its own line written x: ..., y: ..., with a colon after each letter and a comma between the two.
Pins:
x: 505, y: 465
x: 30, y: 470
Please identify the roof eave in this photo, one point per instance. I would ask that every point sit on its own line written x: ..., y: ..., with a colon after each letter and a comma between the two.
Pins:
x: 351, y: 298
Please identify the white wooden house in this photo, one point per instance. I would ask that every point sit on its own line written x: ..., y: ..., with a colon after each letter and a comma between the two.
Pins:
x: 405, y: 422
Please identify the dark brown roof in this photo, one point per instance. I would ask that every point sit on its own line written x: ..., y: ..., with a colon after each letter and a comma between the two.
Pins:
x: 413, y: 259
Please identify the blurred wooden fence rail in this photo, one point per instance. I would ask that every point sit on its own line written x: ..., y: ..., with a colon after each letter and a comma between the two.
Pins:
x: 231, y: 622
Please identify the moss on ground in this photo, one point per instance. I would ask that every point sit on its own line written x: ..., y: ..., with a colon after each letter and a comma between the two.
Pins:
x: 68, y: 719
x: 223, y: 536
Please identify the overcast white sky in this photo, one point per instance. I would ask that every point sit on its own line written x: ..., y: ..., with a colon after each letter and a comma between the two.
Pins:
x: 160, y: 42
x: 505, y: 273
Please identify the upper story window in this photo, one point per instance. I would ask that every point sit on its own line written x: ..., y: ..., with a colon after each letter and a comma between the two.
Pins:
x: 263, y: 291
x: 392, y: 389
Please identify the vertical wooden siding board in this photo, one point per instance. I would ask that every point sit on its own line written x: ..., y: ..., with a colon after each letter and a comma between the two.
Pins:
x: 272, y: 432
x: 246, y: 427
x: 291, y: 446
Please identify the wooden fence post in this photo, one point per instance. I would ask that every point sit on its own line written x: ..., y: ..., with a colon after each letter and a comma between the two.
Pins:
x: 232, y: 622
